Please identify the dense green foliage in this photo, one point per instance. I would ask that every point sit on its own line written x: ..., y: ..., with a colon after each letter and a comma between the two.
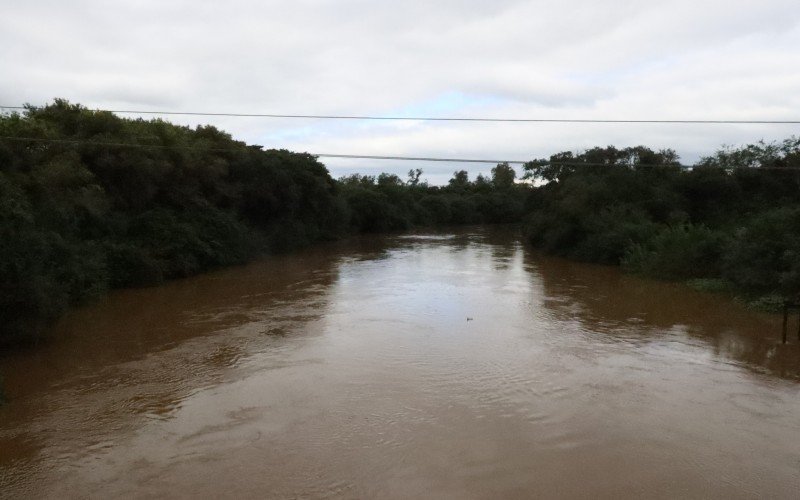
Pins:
x: 732, y: 222
x: 90, y: 201
x: 99, y: 202
x: 78, y: 217
x: 386, y: 203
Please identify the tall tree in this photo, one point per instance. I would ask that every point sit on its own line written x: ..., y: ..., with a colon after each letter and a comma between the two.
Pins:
x: 503, y: 176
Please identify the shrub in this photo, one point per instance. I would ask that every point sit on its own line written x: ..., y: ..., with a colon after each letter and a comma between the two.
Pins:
x: 677, y: 252
x: 715, y: 285
x: 609, y: 233
x: 764, y: 254
x: 768, y: 303
x: 77, y: 218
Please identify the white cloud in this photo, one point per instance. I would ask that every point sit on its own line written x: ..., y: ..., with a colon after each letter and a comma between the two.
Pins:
x: 555, y: 59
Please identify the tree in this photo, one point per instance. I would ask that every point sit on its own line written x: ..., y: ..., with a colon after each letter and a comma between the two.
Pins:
x: 413, y: 176
x: 482, y: 184
x: 503, y: 176
x: 386, y: 180
x: 460, y: 180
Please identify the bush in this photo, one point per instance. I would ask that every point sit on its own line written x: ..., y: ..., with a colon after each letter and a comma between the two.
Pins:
x: 372, y: 211
x: 77, y: 218
x: 731, y: 223
x: 764, y: 254
x: 131, y: 265
x: 677, y: 252
x: 715, y: 285
x: 438, y: 208
x: 768, y: 303
x: 610, y: 233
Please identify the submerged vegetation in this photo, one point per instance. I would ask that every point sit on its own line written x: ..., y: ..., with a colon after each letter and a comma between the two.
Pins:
x: 90, y: 201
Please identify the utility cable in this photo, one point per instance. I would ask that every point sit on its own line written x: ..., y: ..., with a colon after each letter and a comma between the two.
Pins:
x: 438, y: 119
x: 535, y: 162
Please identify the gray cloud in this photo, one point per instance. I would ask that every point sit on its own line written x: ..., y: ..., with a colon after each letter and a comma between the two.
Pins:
x: 565, y: 59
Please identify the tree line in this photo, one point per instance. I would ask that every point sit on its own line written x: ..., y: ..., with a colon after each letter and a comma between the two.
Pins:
x: 731, y: 223
x: 90, y: 201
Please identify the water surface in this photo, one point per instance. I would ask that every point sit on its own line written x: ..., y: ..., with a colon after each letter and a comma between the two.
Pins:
x: 445, y: 365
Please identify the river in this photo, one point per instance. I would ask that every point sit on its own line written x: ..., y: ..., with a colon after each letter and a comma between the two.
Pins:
x: 451, y: 364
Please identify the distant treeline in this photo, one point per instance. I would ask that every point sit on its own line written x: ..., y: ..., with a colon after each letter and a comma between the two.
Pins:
x: 387, y: 203
x: 99, y: 202
x: 90, y: 201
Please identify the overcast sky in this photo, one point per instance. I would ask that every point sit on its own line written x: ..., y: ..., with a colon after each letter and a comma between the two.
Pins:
x: 613, y: 59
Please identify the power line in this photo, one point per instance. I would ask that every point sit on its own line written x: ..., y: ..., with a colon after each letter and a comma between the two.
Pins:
x: 440, y: 119
x: 536, y: 162
x: 231, y: 150
x: 419, y: 158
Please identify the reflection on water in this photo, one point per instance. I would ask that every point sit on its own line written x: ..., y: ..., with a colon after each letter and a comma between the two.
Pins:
x: 455, y: 364
x: 626, y: 308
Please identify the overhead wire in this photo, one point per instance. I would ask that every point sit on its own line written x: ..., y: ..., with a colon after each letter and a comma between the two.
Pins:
x: 437, y: 118
x: 535, y: 162
x: 393, y: 157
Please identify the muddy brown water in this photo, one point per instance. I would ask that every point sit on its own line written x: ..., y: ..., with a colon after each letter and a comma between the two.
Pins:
x: 439, y: 365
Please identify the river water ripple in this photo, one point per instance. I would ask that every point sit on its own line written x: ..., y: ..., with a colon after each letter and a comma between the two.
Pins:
x: 439, y: 365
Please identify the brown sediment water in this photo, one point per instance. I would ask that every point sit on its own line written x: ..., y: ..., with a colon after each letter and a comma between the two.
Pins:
x: 453, y: 364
